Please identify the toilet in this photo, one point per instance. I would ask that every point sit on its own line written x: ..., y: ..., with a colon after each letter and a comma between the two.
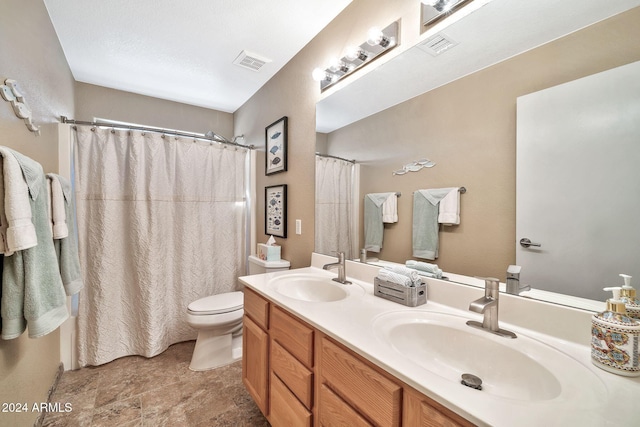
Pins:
x: 218, y: 319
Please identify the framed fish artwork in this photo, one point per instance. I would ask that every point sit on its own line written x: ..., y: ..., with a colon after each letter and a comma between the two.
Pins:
x: 276, y: 147
x: 275, y: 210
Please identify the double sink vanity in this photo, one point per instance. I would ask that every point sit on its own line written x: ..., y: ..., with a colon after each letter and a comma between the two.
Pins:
x: 318, y: 352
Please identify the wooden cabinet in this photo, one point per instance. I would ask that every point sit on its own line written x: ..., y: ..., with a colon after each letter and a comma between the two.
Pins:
x: 369, y: 392
x: 420, y: 411
x: 255, y: 363
x: 333, y: 411
x: 298, y: 376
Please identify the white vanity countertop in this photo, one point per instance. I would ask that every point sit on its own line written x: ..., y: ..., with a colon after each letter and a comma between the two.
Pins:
x: 349, y: 321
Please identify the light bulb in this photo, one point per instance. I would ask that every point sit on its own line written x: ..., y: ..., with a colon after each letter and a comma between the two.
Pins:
x: 377, y: 37
x: 431, y: 3
x: 354, y: 52
x: 374, y: 36
x: 319, y: 74
x: 335, y: 64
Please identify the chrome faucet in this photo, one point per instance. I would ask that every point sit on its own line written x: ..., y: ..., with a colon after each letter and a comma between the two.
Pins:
x: 513, y: 281
x: 341, y: 269
x: 488, y: 305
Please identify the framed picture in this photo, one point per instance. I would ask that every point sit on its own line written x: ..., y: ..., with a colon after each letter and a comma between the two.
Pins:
x: 276, y: 147
x: 275, y: 206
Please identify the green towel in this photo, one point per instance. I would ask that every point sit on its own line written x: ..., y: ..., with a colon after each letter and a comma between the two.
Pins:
x: 425, y: 222
x: 373, y: 227
x: 67, y: 248
x: 32, y: 291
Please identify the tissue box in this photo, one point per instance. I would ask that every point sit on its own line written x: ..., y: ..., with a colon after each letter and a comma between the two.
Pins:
x: 268, y: 253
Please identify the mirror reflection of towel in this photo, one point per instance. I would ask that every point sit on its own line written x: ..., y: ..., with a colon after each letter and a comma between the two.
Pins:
x: 449, y: 208
x: 373, y: 227
x: 425, y: 222
x: 390, y: 209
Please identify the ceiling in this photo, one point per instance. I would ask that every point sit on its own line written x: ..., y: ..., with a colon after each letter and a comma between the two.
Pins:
x: 184, y: 51
x: 493, y: 33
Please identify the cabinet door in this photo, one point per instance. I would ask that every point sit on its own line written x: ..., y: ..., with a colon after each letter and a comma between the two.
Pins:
x: 363, y: 387
x: 333, y: 411
x: 286, y: 410
x: 420, y: 411
x: 255, y: 363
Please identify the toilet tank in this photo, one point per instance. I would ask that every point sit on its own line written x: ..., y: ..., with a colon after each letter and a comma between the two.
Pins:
x: 258, y: 266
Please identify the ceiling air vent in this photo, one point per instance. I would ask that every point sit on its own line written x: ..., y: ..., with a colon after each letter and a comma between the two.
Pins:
x: 437, y: 44
x: 251, y: 61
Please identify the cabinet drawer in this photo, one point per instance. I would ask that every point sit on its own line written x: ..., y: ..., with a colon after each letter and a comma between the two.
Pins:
x: 293, y: 335
x: 293, y: 373
x: 257, y: 308
x: 359, y: 384
x: 333, y: 411
x: 286, y: 410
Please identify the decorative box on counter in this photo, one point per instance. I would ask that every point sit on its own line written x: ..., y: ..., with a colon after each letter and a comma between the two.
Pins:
x: 405, y: 295
x: 268, y: 252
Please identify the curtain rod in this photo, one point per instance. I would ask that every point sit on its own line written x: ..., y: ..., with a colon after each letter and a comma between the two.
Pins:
x: 215, y: 138
x: 335, y: 157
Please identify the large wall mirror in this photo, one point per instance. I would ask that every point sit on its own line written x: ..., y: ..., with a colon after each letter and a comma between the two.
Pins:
x: 459, y: 109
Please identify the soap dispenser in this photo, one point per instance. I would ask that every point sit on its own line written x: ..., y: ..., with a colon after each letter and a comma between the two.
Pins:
x: 628, y: 296
x: 615, y: 338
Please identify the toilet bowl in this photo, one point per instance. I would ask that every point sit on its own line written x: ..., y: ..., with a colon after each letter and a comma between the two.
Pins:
x: 218, y: 319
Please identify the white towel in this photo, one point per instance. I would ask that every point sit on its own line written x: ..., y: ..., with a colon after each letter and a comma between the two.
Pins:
x: 56, y: 209
x: 390, y: 276
x: 390, y: 209
x: 411, y: 274
x: 449, y: 208
x: 17, y: 228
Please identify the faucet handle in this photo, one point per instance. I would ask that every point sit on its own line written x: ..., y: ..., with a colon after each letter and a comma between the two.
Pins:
x: 513, y: 272
x: 490, y: 283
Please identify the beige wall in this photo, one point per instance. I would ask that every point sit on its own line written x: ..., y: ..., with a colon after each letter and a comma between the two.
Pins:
x: 28, y: 366
x: 468, y: 128
x: 293, y: 93
x: 104, y: 103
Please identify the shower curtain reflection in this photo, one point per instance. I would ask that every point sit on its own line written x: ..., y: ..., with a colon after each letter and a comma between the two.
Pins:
x: 336, y: 209
x: 161, y: 223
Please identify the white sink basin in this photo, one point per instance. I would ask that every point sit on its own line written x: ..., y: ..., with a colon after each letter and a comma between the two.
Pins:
x: 519, y: 369
x: 313, y: 288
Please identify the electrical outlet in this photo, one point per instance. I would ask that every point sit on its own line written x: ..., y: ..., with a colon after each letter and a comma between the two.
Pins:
x: 298, y: 226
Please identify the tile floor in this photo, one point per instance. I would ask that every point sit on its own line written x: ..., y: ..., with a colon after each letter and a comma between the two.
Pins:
x: 161, y: 391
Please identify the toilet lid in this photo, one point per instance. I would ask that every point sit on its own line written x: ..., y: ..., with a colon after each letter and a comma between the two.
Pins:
x: 217, y: 304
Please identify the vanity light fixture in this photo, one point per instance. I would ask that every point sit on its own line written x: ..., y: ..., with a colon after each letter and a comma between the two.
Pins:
x: 433, y: 10
x: 379, y: 41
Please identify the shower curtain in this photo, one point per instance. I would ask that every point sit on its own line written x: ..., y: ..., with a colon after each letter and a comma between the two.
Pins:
x: 335, y: 224
x: 161, y: 223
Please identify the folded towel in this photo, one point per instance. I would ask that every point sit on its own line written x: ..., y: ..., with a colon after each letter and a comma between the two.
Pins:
x: 425, y: 268
x: 16, y: 226
x: 58, y: 216
x: 67, y: 248
x: 449, y: 208
x: 373, y: 227
x: 390, y: 209
x: 390, y: 276
x: 425, y: 222
x: 32, y: 291
x: 411, y: 274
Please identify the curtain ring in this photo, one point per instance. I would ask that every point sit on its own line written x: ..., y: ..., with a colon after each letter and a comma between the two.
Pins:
x: 113, y: 130
x: 162, y: 136
x: 93, y: 129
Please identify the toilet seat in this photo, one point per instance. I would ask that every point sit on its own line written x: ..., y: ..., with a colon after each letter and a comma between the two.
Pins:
x: 217, y: 304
